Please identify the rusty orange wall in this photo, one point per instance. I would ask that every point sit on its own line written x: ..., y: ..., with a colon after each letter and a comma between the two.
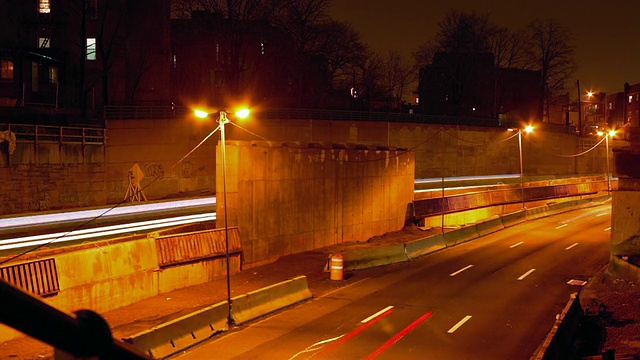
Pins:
x: 298, y: 197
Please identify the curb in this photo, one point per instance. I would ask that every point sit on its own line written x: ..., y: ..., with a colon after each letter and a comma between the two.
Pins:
x: 558, y: 342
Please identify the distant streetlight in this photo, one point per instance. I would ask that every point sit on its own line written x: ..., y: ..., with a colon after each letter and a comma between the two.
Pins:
x: 527, y: 129
x: 610, y: 133
x: 222, y: 120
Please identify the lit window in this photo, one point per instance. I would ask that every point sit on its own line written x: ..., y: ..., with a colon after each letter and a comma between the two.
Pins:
x: 43, y: 42
x: 174, y: 61
x: 6, y: 71
x: 91, y: 48
x: 262, y: 48
x: 630, y: 98
x: 53, y: 75
x: 610, y: 106
x: 44, y: 7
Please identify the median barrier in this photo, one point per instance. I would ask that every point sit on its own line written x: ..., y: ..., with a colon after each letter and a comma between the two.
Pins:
x: 263, y: 301
x: 183, y: 332
x: 375, y: 256
x: 424, y: 246
x: 490, y: 226
x: 537, y: 212
x: 514, y: 218
x: 461, y: 235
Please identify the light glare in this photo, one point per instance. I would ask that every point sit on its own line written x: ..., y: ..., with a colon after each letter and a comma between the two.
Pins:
x: 201, y: 114
x: 243, y: 113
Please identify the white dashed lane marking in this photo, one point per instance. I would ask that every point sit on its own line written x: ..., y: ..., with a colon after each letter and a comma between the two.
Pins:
x: 461, y: 270
x: 526, y: 274
x: 571, y: 247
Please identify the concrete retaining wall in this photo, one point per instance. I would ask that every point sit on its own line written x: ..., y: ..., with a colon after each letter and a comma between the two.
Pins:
x: 107, y: 275
x: 290, y: 198
x: 157, y: 145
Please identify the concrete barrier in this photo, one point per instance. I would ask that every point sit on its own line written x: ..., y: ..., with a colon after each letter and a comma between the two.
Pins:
x: 370, y: 257
x: 461, y: 235
x: 263, y: 301
x: 176, y: 335
x: 537, y: 212
x: 424, y: 246
x: 512, y: 219
x: 490, y: 226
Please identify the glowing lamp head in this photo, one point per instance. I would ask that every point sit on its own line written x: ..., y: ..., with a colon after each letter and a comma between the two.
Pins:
x: 528, y: 129
x: 612, y: 133
x: 600, y: 133
x: 201, y: 114
x: 243, y: 113
x: 590, y: 93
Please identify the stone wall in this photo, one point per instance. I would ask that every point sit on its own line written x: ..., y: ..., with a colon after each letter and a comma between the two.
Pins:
x: 50, y: 176
x: 293, y: 197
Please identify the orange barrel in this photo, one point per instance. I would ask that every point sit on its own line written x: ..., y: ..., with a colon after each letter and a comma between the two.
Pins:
x: 336, y: 267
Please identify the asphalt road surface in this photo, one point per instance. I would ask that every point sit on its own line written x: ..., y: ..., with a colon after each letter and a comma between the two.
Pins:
x: 493, y: 298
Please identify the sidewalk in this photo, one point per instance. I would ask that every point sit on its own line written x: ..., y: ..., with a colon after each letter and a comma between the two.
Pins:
x: 621, y: 297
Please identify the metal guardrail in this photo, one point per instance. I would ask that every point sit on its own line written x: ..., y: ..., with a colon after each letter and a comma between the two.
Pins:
x: 163, y: 112
x: 56, y: 134
x: 435, y: 206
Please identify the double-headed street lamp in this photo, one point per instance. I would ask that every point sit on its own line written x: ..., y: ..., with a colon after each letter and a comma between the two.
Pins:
x: 222, y: 120
x: 610, y: 133
x: 527, y: 129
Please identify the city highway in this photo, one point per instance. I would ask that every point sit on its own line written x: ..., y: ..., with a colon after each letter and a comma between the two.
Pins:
x: 493, y: 298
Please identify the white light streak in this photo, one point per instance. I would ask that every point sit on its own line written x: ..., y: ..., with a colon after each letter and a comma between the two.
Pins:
x: 460, y: 323
x: 516, y: 244
x: 103, y: 231
x: 13, y: 222
x: 376, y: 314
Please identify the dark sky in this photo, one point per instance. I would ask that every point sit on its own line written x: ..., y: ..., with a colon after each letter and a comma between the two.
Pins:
x: 607, y: 33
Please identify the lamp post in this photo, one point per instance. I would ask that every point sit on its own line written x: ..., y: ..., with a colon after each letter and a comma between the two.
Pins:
x: 222, y: 120
x: 527, y: 129
x: 606, y: 142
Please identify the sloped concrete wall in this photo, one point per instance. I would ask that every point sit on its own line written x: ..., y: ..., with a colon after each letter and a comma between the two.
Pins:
x: 290, y: 198
x: 625, y: 218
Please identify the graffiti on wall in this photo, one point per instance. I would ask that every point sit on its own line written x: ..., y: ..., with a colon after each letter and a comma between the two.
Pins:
x: 153, y: 170
x: 40, y: 204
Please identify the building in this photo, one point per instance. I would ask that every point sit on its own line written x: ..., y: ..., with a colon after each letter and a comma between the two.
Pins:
x: 469, y: 85
x: 65, y: 59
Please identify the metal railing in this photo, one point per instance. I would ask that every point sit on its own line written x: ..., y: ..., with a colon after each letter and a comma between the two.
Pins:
x: 164, y: 112
x: 56, y: 134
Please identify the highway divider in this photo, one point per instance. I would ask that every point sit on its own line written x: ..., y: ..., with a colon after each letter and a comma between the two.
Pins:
x: 178, y: 334
x: 263, y: 301
x: 461, y: 235
x: 377, y: 256
x: 417, y: 248
x: 490, y: 226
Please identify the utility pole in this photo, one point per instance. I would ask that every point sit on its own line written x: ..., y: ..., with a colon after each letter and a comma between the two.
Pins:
x: 579, y: 109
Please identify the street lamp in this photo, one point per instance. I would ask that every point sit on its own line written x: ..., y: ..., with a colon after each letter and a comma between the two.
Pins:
x: 527, y: 129
x: 606, y: 141
x: 222, y: 120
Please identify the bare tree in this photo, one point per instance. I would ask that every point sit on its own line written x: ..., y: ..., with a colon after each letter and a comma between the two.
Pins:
x: 551, y: 51
x: 341, y: 45
x: 109, y: 36
x: 397, y: 74
x: 509, y: 48
x: 463, y: 37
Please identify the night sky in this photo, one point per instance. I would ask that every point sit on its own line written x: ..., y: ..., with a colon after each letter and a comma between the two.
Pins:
x: 606, y: 33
